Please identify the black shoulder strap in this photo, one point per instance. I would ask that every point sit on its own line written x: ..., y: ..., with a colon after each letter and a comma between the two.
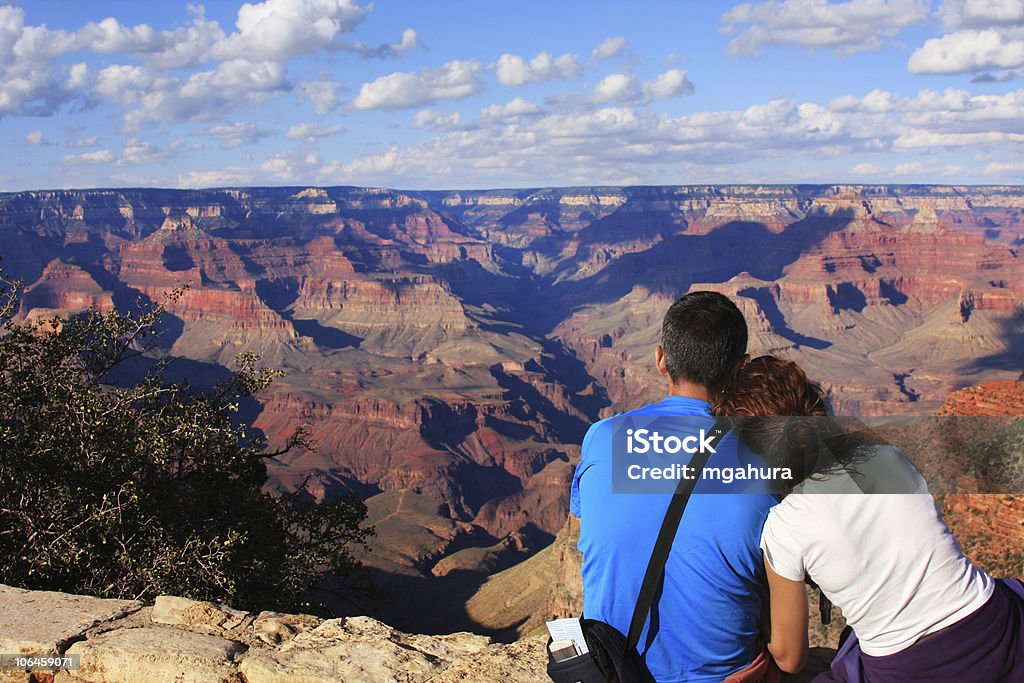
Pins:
x: 656, y: 567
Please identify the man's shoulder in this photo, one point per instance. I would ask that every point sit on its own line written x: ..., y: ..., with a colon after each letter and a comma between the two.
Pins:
x: 593, y: 435
x: 669, y: 406
x: 608, y: 423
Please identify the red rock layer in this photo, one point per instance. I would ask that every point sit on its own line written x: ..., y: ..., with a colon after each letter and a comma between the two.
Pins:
x: 991, y: 527
x: 445, y: 449
x: 64, y: 287
x: 998, y: 398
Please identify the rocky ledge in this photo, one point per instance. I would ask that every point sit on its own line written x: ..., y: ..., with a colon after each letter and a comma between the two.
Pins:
x: 182, y: 640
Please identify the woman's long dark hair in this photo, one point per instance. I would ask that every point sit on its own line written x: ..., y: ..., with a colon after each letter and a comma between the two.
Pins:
x: 808, y: 442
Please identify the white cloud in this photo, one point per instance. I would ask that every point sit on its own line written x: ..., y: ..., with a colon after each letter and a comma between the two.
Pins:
x: 917, y: 137
x: 627, y: 89
x: 125, y: 84
x: 34, y: 138
x: 1003, y: 168
x: 880, y: 101
x: 84, y: 143
x: 243, y: 68
x: 908, y: 168
x: 1001, y: 77
x: 311, y: 132
x: 617, y: 88
x: 952, y: 118
x: 137, y: 150
x: 28, y: 83
x: 514, y: 70
x: 967, y: 51
x: 844, y: 27
x: 410, y: 41
x: 672, y: 83
x: 957, y: 14
x: 622, y: 141
x: 236, y: 134
x: 109, y: 36
x: 78, y: 76
x: 206, y: 95
x: 439, y: 122
x: 455, y: 80
x: 281, y: 29
x: 370, y: 166
x: 924, y: 139
x: 103, y: 156
x: 323, y: 94
x: 436, y: 121
x: 875, y: 102
x: 609, y: 47
x: 511, y: 110
x: 985, y: 35
x: 287, y: 166
x: 226, y: 177
x: 183, y: 47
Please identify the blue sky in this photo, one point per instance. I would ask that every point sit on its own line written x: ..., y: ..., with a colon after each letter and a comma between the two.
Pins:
x: 440, y: 94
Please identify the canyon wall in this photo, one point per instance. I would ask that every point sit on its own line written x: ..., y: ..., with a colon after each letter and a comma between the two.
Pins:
x: 448, y: 350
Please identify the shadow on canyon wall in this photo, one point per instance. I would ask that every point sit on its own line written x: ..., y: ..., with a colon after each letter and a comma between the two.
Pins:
x: 673, y: 264
x: 1011, y: 334
x: 431, y: 605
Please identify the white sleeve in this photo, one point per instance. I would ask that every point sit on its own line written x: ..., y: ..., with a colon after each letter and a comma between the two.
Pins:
x: 781, y: 549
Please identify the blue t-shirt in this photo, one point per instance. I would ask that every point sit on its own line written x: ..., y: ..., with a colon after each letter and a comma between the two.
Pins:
x: 707, y: 619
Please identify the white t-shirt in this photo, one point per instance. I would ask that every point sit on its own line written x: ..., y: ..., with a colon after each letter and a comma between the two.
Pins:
x: 887, y: 560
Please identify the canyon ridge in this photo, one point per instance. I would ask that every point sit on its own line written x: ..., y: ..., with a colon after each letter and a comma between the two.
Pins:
x: 449, y: 349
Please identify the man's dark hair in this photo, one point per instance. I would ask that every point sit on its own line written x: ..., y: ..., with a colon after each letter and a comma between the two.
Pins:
x: 703, y: 336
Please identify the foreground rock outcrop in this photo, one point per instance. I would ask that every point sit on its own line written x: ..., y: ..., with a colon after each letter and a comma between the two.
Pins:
x: 177, y: 639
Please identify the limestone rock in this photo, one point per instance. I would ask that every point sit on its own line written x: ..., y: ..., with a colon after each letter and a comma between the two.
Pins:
x: 196, y: 615
x: 359, y: 649
x: 156, y: 654
x: 275, y: 628
x: 44, y: 622
x: 523, y: 661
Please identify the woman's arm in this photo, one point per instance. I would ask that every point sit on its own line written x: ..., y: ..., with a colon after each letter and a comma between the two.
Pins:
x: 787, y: 640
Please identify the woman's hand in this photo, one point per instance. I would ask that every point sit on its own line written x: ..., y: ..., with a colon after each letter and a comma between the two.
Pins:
x: 787, y: 640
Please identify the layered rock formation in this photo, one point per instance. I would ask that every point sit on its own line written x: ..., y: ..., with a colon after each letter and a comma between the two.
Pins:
x: 449, y: 349
x: 1001, y: 398
x: 990, y: 526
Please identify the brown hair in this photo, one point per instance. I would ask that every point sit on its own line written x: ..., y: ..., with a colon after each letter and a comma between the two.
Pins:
x: 805, y: 443
x: 771, y: 386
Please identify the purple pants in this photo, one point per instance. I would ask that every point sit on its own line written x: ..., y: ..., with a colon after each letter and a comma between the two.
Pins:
x: 984, y: 647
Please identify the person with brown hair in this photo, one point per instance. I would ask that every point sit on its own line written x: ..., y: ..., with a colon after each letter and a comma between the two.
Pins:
x: 919, y: 609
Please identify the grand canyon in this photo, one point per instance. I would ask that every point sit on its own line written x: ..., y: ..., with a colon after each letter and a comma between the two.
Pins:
x: 448, y: 350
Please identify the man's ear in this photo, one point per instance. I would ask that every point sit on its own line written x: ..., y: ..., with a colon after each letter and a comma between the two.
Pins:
x: 659, y: 360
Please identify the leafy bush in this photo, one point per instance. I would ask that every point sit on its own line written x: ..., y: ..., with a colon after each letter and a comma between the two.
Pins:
x: 132, y: 490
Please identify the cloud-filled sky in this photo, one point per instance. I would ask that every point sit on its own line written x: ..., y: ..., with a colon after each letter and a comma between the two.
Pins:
x: 471, y: 94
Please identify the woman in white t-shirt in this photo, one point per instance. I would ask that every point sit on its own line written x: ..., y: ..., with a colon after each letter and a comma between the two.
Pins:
x: 861, y: 524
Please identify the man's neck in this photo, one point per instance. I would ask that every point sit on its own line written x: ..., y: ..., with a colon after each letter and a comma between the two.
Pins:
x: 688, y: 390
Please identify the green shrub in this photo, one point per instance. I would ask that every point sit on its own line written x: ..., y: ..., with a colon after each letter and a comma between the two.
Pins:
x: 131, y: 490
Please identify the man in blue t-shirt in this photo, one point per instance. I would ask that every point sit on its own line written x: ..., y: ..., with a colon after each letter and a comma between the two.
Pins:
x: 706, y: 621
